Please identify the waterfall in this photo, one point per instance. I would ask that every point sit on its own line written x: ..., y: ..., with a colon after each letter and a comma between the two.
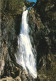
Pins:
x: 25, y: 56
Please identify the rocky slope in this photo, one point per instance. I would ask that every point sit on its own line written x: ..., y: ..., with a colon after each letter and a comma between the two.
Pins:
x: 42, y: 23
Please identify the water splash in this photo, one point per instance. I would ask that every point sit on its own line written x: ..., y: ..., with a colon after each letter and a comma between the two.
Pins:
x: 25, y: 55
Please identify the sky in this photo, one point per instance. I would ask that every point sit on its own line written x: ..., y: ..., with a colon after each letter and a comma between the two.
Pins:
x: 32, y: 1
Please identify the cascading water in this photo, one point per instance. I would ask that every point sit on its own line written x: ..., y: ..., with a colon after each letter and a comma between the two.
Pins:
x: 25, y: 55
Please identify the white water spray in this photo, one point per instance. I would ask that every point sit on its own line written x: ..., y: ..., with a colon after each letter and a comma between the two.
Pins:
x: 25, y: 55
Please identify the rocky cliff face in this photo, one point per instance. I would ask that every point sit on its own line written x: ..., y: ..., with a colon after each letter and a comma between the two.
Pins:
x: 42, y: 23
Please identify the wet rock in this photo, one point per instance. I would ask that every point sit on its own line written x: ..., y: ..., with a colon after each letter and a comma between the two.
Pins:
x: 18, y: 78
x: 7, y: 79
